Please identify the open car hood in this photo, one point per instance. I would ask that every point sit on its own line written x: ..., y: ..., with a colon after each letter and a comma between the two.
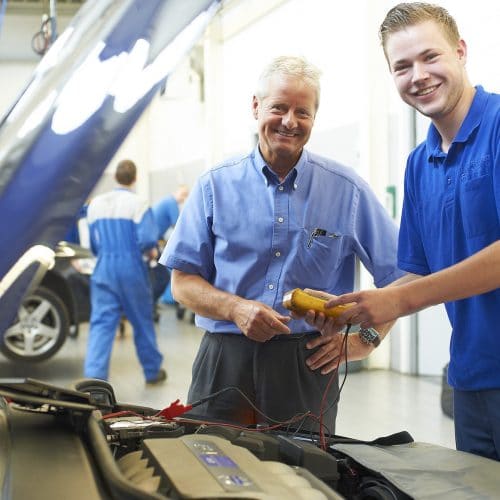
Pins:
x: 65, y: 127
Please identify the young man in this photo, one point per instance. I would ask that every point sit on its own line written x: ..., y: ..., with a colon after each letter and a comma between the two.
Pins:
x: 450, y: 231
x: 121, y: 228
x: 258, y: 226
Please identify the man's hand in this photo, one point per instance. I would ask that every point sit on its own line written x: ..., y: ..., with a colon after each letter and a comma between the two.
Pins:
x: 372, y: 307
x: 329, y: 350
x: 258, y: 321
x: 324, y: 324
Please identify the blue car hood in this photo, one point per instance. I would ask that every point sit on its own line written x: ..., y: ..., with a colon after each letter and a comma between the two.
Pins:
x: 81, y: 102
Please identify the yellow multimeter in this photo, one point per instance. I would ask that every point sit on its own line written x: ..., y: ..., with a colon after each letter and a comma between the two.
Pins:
x: 299, y: 301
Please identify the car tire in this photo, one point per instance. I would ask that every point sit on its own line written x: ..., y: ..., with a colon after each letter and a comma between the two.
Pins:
x: 39, y: 330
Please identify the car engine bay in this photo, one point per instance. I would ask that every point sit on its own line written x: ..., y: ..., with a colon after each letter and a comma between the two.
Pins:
x: 80, y: 443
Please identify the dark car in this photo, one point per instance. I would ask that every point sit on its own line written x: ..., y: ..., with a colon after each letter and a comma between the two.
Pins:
x: 54, y: 310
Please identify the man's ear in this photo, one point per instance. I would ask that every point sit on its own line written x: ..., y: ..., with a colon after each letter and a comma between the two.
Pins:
x: 462, y: 51
x: 255, y: 106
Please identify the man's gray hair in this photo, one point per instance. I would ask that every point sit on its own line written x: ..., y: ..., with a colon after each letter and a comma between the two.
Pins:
x: 293, y: 66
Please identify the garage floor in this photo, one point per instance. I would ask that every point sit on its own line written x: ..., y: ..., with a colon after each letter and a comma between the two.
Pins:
x: 373, y: 402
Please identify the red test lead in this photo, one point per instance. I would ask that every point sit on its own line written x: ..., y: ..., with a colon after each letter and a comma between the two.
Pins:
x: 174, y: 410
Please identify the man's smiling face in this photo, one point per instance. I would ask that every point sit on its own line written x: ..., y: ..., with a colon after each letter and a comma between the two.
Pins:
x: 285, y: 119
x: 429, y: 71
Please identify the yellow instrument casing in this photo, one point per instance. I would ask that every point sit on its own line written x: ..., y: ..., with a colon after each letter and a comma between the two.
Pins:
x: 299, y: 301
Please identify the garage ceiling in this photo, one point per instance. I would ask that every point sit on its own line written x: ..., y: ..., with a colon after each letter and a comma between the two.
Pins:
x: 23, y: 19
x: 39, y: 7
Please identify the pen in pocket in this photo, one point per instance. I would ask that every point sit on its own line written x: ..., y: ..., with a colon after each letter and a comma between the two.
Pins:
x: 317, y: 231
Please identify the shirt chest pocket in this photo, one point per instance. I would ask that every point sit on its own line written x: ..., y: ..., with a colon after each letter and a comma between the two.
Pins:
x: 479, y: 211
x: 317, y: 256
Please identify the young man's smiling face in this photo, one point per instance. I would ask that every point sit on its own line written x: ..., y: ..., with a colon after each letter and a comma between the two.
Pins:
x: 285, y: 119
x: 429, y: 71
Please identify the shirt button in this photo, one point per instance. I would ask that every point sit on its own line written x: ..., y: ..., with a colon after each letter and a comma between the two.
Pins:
x: 271, y: 287
x: 449, y: 180
x: 280, y: 219
x: 281, y: 188
x: 278, y: 254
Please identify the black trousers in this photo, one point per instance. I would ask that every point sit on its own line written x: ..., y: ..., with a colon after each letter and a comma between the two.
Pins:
x: 273, y: 375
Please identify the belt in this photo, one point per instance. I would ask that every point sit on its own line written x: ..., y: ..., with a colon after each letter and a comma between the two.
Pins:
x: 294, y: 337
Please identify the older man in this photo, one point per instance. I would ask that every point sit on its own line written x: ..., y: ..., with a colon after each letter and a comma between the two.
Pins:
x: 255, y: 227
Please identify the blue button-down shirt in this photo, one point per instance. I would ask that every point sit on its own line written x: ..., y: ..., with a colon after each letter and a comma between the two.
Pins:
x: 249, y: 234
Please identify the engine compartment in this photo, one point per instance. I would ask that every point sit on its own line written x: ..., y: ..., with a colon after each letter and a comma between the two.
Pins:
x: 80, y: 443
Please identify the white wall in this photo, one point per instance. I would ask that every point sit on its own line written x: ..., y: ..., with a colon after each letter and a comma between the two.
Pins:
x: 312, y: 28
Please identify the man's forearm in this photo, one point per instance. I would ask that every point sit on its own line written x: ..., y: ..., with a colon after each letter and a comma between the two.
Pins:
x: 475, y: 275
x: 384, y: 328
x: 201, y: 297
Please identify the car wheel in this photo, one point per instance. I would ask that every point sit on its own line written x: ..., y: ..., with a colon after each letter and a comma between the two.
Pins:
x: 40, y: 328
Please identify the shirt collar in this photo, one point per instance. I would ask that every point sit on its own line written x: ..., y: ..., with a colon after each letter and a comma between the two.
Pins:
x: 470, y: 123
x: 270, y: 177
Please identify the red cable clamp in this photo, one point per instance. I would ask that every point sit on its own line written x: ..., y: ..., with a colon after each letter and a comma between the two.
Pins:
x: 174, y: 410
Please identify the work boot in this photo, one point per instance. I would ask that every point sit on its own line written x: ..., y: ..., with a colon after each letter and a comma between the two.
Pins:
x: 160, y: 377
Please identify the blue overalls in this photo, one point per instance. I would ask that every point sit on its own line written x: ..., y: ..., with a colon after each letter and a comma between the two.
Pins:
x: 121, y: 227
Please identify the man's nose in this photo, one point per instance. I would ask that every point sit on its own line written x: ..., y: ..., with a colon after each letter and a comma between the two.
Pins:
x: 419, y: 72
x: 289, y: 119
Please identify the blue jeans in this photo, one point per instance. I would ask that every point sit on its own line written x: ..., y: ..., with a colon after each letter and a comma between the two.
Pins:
x: 477, y: 422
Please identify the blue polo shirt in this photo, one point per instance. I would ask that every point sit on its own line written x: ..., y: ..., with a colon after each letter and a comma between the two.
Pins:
x: 451, y: 210
x: 249, y: 234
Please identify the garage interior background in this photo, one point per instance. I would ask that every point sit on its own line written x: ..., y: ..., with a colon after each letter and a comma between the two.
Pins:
x: 204, y: 114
